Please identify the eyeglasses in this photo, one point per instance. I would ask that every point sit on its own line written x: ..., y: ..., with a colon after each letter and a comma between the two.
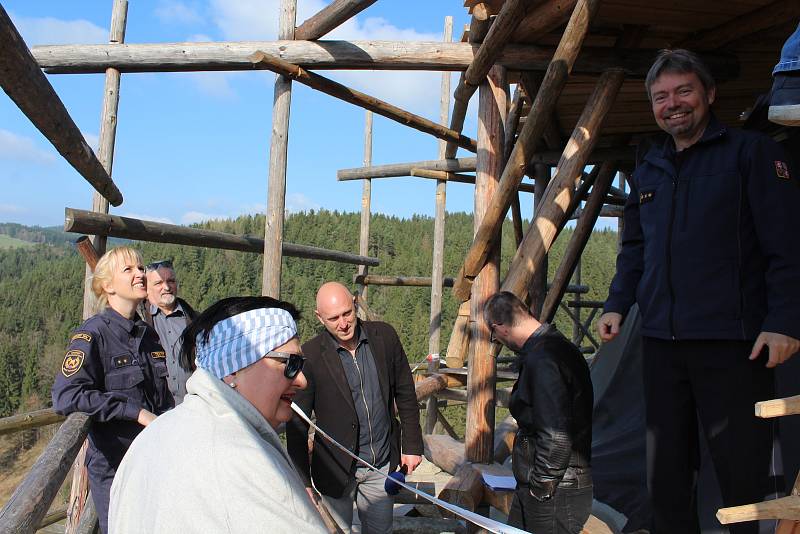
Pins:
x: 156, y: 264
x: 294, y: 362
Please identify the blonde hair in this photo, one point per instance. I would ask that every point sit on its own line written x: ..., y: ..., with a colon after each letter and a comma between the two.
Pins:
x: 105, y: 268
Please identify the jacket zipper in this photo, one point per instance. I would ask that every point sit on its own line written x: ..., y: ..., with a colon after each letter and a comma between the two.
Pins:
x: 669, y: 258
x: 366, y: 406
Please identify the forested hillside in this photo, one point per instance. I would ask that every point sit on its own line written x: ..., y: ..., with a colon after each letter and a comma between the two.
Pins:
x: 41, y: 286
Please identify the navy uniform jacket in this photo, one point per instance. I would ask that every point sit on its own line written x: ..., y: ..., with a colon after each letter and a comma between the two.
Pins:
x: 113, y: 368
x: 711, y: 246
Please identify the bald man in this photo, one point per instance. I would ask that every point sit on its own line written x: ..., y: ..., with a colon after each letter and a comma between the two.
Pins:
x: 359, y: 382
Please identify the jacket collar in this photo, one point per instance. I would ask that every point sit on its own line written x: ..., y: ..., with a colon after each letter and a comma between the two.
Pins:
x: 225, y: 402
x: 663, y: 154
x: 155, y: 310
x: 111, y: 317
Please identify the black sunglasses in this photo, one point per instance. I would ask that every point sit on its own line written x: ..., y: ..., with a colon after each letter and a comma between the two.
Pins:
x: 156, y: 264
x: 294, y: 362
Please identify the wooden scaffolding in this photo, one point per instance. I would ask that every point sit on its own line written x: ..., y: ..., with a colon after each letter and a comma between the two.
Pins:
x: 578, y: 67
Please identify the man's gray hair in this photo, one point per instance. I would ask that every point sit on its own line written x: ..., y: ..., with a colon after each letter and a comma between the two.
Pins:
x: 504, y: 308
x: 679, y: 61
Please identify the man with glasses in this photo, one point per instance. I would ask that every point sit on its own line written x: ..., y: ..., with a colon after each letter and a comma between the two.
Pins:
x: 552, y: 403
x: 359, y: 382
x: 169, y: 315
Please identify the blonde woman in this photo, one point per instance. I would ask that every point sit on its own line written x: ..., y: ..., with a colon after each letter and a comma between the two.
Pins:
x: 114, y: 370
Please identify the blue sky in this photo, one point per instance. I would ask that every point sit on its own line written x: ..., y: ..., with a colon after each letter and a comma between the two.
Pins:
x: 194, y: 146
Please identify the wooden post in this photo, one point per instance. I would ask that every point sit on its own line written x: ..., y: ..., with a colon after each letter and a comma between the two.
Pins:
x: 27, y: 86
x: 437, y: 269
x: 512, y: 123
x: 398, y: 281
x: 105, y: 154
x: 347, y: 94
x: 538, y: 287
x: 279, y: 145
x: 553, y: 211
x: 24, y: 421
x: 492, y: 108
x: 572, y: 254
x: 366, y: 206
x: 329, y: 17
x: 554, y: 80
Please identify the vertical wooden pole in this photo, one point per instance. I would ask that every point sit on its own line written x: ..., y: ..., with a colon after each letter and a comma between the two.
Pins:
x: 276, y: 193
x: 538, y: 287
x: 366, y: 206
x: 105, y: 154
x: 492, y: 108
x: 437, y: 270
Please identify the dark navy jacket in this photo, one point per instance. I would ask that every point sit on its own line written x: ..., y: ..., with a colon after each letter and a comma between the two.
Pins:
x: 711, y: 246
x: 113, y: 368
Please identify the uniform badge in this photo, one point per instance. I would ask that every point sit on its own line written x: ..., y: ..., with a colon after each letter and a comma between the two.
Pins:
x: 646, y: 196
x: 72, y: 362
x: 781, y: 169
x: 158, y: 354
x: 81, y: 335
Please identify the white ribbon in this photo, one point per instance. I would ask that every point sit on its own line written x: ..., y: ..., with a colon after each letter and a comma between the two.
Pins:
x: 483, y: 522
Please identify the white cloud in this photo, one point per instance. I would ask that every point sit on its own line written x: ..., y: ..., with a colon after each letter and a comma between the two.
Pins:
x: 192, y: 217
x: 145, y: 217
x: 20, y: 148
x: 173, y: 11
x: 216, y: 84
x: 49, y: 30
x: 296, y: 202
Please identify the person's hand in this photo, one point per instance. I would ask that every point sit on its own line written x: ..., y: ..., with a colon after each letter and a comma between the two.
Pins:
x: 781, y: 347
x: 145, y: 417
x: 411, y: 461
x: 608, y: 325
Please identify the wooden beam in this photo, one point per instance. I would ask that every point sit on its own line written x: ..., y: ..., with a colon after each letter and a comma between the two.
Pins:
x: 498, y: 35
x: 29, y: 503
x: 749, y: 23
x: 783, y: 508
x: 444, y: 452
x: 335, y: 89
x: 529, y: 137
x: 550, y: 216
x: 459, y: 338
x: 778, y: 407
x: 88, y: 252
x: 542, y: 19
x: 278, y: 151
x: 492, y: 106
x: 430, y: 385
x: 89, y: 222
x: 465, y: 489
x: 437, y: 260
x: 460, y: 178
x: 401, y: 281
x: 580, y: 236
x: 537, y: 291
x: 338, y: 55
x: 366, y: 206
x: 392, y: 170
x: 504, y: 436
x: 24, y: 421
x: 329, y: 17
x: 510, y: 128
x: 25, y: 84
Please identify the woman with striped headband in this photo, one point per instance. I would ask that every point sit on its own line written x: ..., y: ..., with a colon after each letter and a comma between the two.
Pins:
x: 215, y: 463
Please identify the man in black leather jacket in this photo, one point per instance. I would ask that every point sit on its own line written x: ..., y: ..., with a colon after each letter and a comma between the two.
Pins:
x: 552, y: 403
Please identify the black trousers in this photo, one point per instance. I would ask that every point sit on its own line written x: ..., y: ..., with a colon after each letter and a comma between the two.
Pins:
x: 715, y: 382
x: 101, y: 475
x: 565, y: 513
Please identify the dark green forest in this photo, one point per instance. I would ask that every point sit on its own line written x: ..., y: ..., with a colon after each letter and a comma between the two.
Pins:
x: 41, y: 286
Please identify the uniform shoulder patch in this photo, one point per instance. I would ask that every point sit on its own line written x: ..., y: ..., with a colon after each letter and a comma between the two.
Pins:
x: 73, y: 361
x: 81, y: 335
x: 781, y: 169
x: 158, y: 354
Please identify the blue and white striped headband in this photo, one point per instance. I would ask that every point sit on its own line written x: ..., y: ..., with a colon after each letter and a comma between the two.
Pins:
x: 238, y: 341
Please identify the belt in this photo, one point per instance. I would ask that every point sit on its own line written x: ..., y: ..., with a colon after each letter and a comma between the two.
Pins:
x: 576, y: 478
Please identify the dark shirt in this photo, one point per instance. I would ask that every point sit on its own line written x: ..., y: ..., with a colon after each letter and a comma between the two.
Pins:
x: 113, y: 368
x: 373, y: 421
x: 169, y: 328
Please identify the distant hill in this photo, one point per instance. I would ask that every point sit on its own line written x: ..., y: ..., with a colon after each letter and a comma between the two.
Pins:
x: 41, y: 285
x: 13, y: 242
